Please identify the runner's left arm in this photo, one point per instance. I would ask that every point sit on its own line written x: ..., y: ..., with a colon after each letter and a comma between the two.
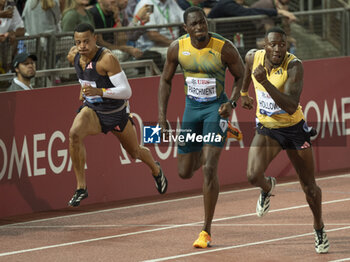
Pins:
x: 231, y: 57
x: 247, y: 101
x: 234, y: 62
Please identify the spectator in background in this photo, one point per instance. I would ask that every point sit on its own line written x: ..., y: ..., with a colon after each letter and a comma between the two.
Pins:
x: 206, y: 5
x: 11, y: 23
x: 20, y: 5
x: 130, y: 8
x: 112, y: 14
x: 243, y: 3
x: 62, y: 5
x: 42, y: 16
x: 141, y: 17
x: 75, y: 14
x: 11, y: 26
x: 158, y: 39
x: 25, y: 69
x: 268, y: 23
x: 230, y: 8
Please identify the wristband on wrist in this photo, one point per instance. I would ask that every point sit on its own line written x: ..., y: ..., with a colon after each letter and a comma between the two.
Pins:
x: 138, y: 18
x: 103, y: 91
x: 244, y: 93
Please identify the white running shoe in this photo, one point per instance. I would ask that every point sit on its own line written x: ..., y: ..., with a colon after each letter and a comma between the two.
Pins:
x: 321, y: 241
x: 263, y: 205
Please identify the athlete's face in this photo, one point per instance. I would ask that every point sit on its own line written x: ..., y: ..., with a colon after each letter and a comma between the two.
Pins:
x: 275, y: 47
x: 85, y: 42
x: 197, y: 26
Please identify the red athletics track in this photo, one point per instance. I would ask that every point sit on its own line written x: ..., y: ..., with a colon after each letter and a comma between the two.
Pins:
x: 164, y: 228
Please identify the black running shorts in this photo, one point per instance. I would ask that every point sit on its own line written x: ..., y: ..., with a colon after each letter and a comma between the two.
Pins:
x: 292, y: 137
x: 113, y: 121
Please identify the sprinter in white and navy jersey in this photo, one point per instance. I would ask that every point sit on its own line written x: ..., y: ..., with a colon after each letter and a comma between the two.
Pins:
x: 105, y: 91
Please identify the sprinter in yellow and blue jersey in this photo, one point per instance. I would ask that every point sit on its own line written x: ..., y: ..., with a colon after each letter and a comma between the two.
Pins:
x: 204, y: 58
x: 278, y: 81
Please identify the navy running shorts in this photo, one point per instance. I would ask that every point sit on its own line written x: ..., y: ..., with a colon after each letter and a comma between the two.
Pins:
x: 292, y: 137
x: 112, y: 121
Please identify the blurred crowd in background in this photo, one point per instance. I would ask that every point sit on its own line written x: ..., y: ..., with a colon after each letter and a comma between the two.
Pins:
x: 22, y: 18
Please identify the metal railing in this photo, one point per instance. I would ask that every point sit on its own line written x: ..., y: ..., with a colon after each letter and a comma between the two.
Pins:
x: 48, y: 76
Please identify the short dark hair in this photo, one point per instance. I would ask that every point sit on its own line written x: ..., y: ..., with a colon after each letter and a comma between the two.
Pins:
x: 275, y: 29
x: 192, y: 9
x: 83, y: 27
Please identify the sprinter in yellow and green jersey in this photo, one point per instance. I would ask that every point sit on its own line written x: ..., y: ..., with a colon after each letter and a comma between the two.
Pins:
x: 204, y: 58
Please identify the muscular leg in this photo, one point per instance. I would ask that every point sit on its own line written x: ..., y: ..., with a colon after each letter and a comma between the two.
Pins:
x: 211, y: 156
x: 85, y: 123
x: 303, y: 163
x: 128, y: 139
x: 262, y: 151
x: 208, y: 158
x: 188, y: 163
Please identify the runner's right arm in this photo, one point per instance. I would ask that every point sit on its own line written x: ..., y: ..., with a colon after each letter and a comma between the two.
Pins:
x: 70, y: 57
x: 164, y: 90
x: 246, y: 100
x: 71, y: 54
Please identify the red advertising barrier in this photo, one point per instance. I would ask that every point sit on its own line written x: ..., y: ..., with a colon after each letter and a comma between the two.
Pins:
x: 36, y: 172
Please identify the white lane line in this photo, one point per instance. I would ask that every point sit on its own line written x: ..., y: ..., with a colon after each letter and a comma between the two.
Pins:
x: 80, y: 242
x: 164, y: 202
x: 154, y: 230
x: 238, y: 246
x: 340, y: 260
x: 171, y: 225
x: 281, y: 209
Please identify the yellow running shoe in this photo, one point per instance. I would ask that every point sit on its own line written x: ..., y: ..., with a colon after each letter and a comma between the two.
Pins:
x: 234, y: 132
x: 203, y: 240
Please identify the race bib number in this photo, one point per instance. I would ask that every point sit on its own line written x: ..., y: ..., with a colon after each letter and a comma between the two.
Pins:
x: 90, y: 99
x: 201, y: 89
x: 267, y: 106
